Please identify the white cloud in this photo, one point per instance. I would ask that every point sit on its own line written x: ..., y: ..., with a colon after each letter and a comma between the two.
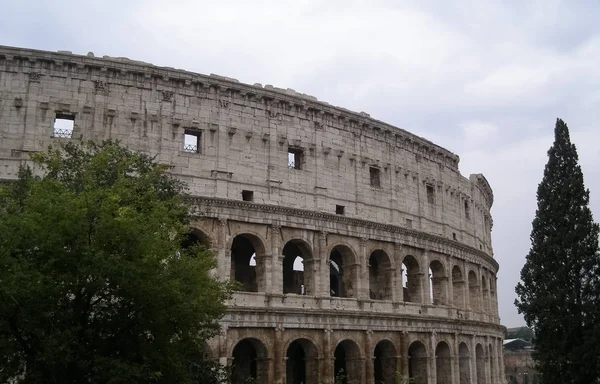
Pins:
x: 485, y: 79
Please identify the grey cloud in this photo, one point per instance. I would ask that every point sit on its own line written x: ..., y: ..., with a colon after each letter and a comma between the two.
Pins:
x: 432, y: 67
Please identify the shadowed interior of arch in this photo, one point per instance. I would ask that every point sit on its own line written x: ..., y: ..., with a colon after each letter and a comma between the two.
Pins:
x: 296, y: 278
x: 347, y: 365
x: 380, y: 276
x: 411, y: 282
x: 437, y: 283
x: 301, y: 362
x: 464, y: 364
x: 384, y: 363
x: 443, y: 363
x: 417, y: 362
x: 249, y: 362
x: 458, y: 288
x: 243, y: 264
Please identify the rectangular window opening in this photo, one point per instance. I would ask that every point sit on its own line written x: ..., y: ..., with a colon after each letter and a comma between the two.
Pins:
x: 375, y: 175
x: 453, y: 236
x: 339, y: 209
x: 192, y: 141
x: 430, y: 194
x: 467, y: 214
x: 63, y: 125
x: 409, y: 223
x: 295, y: 158
x: 247, y: 195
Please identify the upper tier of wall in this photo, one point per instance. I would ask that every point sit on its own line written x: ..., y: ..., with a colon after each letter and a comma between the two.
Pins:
x: 245, y: 132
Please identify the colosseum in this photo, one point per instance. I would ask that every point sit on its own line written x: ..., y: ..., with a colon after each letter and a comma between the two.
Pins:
x: 362, y: 252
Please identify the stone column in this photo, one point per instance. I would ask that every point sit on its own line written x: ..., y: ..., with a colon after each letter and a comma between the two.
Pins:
x: 274, y: 271
x: 362, y: 271
x: 403, y: 365
x: 425, y: 291
x: 432, y: 366
x: 323, y: 288
x: 223, y: 252
x: 455, y: 361
x: 397, y: 283
x: 369, y: 357
x: 278, y: 357
x: 328, y: 357
x: 473, y: 360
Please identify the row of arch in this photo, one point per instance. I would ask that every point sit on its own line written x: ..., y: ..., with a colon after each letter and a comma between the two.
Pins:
x: 470, y: 292
x: 249, y: 359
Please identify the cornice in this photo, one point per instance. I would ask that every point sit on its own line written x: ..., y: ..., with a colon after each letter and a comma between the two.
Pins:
x: 66, y: 61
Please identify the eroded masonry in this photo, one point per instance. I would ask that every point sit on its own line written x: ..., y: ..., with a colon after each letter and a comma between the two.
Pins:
x: 358, y: 245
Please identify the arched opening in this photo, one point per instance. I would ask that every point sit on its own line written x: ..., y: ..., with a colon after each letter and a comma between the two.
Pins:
x: 443, y: 363
x: 411, y: 280
x: 247, y: 264
x: 417, y: 362
x: 485, y: 294
x: 342, y: 272
x: 302, y: 363
x: 347, y: 367
x: 297, y: 268
x: 194, y: 238
x: 458, y: 287
x: 249, y: 362
x: 493, y: 298
x: 480, y: 363
x: 464, y: 364
x: 384, y: 363
x: 438, y: 283
x: 474, y: 297
x: 380, y: 276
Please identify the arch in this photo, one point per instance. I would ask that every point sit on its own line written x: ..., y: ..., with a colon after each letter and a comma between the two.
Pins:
x: 443, y: 363
x: 297, y: 268
x: 302, y: 362
x: 474, y: 297
x: 196, y: 237
x: 417, y: 362
x: 411, y: 276
x: 384, y: 362
x: 438, y: 285
x: 347, y: 365
x: 342, y: 272
x: 247, y: 262
x: 458, y: 287
x: 249, y: 361
x: 485, y: 298
x: 480, y: 363
x: 380, y: 276
x: 464, y: 364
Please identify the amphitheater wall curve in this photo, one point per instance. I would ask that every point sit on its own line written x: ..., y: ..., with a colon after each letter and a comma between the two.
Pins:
x: 359, y: 245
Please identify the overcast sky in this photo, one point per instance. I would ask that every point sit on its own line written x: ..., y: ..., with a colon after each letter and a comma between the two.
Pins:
x: 484, y: 79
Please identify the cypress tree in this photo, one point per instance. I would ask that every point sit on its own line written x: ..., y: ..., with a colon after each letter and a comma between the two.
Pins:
x: 558, y: 292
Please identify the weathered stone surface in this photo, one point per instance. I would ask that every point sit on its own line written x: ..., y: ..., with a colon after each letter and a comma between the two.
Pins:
x: 369, y: 208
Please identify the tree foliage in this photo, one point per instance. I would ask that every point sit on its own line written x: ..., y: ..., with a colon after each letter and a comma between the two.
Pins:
x: 95, y: 286
x: 559, y: 289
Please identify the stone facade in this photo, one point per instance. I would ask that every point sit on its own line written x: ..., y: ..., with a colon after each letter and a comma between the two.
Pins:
x: 358, y: 245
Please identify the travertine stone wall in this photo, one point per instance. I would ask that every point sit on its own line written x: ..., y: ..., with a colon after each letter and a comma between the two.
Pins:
x: 404, y: 203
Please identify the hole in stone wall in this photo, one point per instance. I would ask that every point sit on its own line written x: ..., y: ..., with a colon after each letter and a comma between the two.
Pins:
x: 375, y: 176
x: 339, y: 209
x: 63, y: 125
x: 430, y: 194
x: 295, y: 157
x: 247, y: 195
x: 192, y: 141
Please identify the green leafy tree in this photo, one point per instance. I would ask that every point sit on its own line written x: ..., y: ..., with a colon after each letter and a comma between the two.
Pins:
x: 558, y: 292
x: 95, y: 286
